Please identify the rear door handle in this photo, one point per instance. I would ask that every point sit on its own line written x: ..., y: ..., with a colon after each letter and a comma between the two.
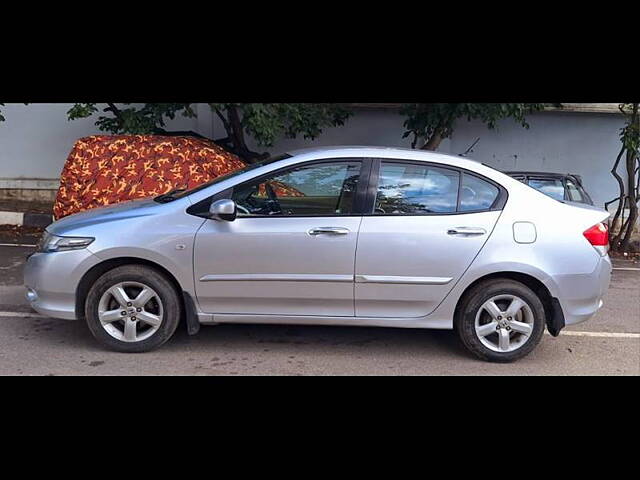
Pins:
x: 468, y: 231
x: 328, y: 231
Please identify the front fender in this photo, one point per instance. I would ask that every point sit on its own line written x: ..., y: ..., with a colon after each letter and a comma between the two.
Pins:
x: 179, y: 262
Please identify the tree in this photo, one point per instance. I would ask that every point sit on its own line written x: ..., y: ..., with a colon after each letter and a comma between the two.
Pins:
x: 148, y: 119
x: 433, y: 122
x: 629, y: 194
x: 265, y: 122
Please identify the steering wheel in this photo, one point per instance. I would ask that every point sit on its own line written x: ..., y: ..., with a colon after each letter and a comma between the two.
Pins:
x: 274, y: 204
x: 271, y: 193
x: 243, y: 210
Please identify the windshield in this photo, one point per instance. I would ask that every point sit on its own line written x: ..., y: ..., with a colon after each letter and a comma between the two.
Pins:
x: 221, y: 178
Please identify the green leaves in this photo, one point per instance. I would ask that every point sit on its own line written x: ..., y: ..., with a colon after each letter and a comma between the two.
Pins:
x: 267, y: 122
x: 436, y: 121
x: 81, y: 110
x: 131, y: 120
x: 630, y: 134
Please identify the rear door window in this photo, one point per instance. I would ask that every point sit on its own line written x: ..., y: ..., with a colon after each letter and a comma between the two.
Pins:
x: 476, y: 194
x: 411, y: 189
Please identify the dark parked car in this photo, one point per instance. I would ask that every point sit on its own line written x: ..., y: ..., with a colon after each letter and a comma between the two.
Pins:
x: 564, y: 187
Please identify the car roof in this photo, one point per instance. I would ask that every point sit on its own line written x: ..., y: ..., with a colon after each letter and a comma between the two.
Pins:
x: 364, y: 151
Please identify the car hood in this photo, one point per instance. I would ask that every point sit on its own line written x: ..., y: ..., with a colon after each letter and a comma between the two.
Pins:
x: 132, y: 209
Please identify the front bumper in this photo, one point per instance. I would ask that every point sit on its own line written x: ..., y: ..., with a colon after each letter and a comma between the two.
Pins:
x: 52, y: 279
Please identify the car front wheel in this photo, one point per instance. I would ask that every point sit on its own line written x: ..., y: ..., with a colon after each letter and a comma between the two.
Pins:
x: 500, y: 320
x: 132, y: 309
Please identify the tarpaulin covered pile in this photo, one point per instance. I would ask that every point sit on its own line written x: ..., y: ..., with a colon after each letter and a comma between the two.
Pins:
x: 106, y: 169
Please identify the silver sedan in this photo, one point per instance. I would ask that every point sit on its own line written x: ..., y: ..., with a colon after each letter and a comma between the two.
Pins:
x: 333, y: 236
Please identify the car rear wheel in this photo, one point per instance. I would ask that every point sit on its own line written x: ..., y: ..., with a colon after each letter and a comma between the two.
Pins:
x: 500, y: 320
x: 132, y: 309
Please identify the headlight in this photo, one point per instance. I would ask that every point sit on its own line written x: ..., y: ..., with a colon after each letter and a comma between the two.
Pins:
x: 53, y: 243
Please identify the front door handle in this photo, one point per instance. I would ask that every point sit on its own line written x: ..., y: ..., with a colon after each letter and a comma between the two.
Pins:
x: 467, y: 231
x: 328, y: 231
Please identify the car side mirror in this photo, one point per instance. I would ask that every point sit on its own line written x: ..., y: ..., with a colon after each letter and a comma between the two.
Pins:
x: 224, y: 210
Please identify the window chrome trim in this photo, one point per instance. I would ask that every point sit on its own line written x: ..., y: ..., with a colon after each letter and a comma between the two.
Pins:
x: 497, y: 206
x: 359, y: 195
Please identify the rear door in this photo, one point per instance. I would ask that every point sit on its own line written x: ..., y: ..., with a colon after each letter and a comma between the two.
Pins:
x: 425, y: 227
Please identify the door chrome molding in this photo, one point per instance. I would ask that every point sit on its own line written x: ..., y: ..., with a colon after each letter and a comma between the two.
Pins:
x: 403, y: 280
x: 287, y: 277
x: 294, y: 277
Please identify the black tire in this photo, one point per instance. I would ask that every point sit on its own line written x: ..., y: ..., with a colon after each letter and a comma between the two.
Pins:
x: 464, y: 323
x: 170, y: 298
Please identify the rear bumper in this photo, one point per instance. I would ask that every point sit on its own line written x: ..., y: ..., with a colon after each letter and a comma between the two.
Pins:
x: 52, y: 279
x: 581, y: 296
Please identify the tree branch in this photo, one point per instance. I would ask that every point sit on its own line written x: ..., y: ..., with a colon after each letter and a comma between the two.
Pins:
x: 435, y: 140
x: 116, y: 113
x: 632, y: 154
x: 115, y: 110
x: 225, y: 123
x: 621, y: 197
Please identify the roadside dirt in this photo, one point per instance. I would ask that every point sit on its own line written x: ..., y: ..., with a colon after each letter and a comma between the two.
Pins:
x: 31, y: 206
x: 633, y: 257
x: 20, y: 234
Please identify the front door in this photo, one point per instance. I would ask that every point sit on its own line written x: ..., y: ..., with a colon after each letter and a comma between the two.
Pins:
x: 428, y: 225
x: 291, y: 251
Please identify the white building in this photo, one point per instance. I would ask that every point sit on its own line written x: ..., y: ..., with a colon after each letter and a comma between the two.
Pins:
x: 36, y: 139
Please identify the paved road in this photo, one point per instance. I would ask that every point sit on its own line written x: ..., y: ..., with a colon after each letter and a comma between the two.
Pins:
x: 42, y: 346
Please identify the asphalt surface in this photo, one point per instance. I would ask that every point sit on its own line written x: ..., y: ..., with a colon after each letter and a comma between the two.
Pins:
x: 44, y: 346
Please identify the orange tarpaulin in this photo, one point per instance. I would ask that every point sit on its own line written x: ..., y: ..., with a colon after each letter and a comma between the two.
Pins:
x: 104, y: 169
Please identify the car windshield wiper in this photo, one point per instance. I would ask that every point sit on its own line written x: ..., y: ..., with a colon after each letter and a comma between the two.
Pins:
x: 169, y: 196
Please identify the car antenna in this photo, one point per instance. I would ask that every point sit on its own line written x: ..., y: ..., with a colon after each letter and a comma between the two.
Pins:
x: 470, y: 149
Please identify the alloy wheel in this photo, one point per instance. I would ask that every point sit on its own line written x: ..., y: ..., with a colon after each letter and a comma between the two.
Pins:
x: 130, y: 311
x: 504, y: 323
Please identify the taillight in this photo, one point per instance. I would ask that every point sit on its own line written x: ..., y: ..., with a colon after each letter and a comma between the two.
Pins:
x: 598, y: 236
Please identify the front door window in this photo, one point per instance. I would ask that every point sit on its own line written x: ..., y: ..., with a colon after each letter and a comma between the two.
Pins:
x: 314, y: 190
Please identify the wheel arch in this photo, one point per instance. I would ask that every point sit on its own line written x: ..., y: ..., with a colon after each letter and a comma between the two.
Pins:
x: 95, y: 272
x: 552, y: 309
